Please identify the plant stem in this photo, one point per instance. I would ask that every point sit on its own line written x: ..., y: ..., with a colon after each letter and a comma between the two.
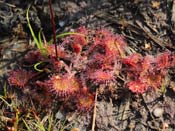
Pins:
x: 53, y: 27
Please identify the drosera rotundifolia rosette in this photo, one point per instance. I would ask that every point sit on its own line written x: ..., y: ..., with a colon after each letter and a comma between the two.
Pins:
x: 85, y: 60
x: 94, y: 58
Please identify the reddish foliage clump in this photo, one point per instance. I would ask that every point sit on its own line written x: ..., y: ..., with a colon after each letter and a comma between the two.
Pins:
x: 137, y: 86
x: 100, y: 76
x: 114, y: 45
x: 50, y: 50
x: 88, y: 59
x: 19, y: 77
x: 32, y: 57
x: 164, y: 60
x: 85, y: 102
x: 133, y: 60
x: 148, y: 71
x: 63, y: 86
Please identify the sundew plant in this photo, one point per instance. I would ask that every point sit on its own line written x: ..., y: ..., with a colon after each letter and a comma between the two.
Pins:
x: 86, y: 60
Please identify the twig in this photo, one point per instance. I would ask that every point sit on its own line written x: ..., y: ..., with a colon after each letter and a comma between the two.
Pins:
x: 95, y: 111
x: 8, y: 4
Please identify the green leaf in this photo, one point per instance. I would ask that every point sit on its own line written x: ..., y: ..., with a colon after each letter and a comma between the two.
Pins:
x: 50, y: 122
x: 36, y: 68
x: 31, y: 30
x: 27, y: 126
x: 10, y: 105
x: 39, y: 125
x: 66, y: 34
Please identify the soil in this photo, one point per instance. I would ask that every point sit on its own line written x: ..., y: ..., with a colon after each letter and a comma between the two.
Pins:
x: 148, y: 26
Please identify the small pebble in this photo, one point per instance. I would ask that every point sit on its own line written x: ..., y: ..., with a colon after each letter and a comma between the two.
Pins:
x: 75, y: 129
x: 61, y: 23
x: 60, y: 115
x: 158, y: 112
